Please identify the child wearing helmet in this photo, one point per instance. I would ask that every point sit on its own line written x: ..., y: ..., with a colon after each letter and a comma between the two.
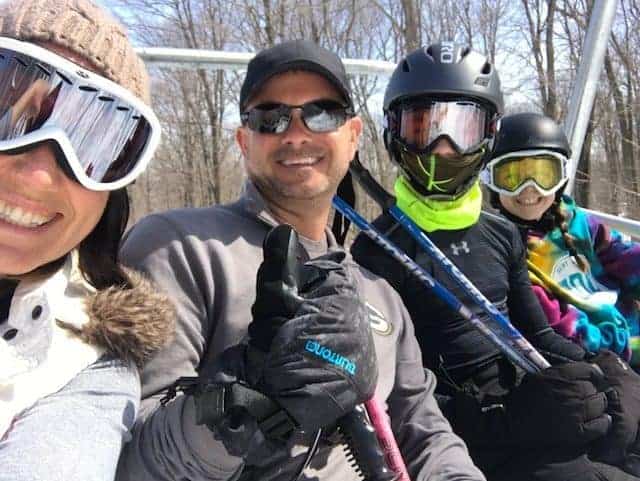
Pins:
x: 583, y: 273
x: 442, y: 108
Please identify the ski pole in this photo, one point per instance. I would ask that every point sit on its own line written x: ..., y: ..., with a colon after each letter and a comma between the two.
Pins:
x: 370, y: 443
x: 499, y: 329
x: 386, y: 439
x: 506, y: 337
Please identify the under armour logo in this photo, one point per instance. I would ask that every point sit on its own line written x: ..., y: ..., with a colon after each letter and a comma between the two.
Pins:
x: 458, y: 248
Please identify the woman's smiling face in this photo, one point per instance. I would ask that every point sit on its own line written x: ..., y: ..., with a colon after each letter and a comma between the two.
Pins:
x: 43, y: 213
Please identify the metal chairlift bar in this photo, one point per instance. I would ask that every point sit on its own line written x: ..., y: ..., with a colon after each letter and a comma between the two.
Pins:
x: 217, y: 59
x: 587, y: 80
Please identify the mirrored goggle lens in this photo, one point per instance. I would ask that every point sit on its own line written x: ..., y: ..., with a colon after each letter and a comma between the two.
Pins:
x: 465, y: 123
x: 511, y: 173
x: 318, y: 116
x: 107, y: 134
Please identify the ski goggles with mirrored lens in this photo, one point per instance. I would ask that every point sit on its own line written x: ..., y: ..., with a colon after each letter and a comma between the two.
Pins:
x: 511, y: 173
x: 105, y: 134
x: 319, y: 116
x: 420, y: 123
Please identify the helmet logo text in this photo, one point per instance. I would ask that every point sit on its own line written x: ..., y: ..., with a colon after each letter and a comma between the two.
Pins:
x: 446, y: 52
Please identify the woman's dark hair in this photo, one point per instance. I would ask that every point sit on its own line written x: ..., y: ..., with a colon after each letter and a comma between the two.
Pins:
x: 99, y: 250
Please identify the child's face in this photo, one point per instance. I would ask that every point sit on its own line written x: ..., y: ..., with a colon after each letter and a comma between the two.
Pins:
x: 529, y: 204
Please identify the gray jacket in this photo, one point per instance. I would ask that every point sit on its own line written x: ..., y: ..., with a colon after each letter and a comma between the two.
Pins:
x: 207, y: 260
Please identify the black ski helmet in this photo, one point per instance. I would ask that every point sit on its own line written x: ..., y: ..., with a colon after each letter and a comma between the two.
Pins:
x: 530, y: 131
x: 445, y: 70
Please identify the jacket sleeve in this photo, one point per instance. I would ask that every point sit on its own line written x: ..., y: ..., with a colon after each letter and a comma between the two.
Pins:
x: 620, y: 259
x: 526, y: 314
x: 166, y: 443
x: 560, y: 316
x: 76, y: 433
x: 430, y: 449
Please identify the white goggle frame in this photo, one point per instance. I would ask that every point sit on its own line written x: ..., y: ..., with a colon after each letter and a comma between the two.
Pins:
x: 81, y: 76
x: 487, y: 174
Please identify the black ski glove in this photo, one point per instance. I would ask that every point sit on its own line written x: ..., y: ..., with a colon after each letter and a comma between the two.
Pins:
x: 230, y: 409
x: 310, y: 344
x: 624, y: 408
x: 562, y: 405
x: 309, y: 360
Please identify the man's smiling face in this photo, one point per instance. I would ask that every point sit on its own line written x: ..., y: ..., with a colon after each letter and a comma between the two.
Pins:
x: 298, y: 164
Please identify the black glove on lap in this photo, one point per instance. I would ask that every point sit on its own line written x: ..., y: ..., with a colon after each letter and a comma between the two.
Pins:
x: 562, y: 405
x: 624, y: 407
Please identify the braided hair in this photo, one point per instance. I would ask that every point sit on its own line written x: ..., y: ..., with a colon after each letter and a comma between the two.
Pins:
x: 561, y: 221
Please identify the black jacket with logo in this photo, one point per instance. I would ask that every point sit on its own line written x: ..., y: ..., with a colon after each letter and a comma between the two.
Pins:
x: 492, y: 256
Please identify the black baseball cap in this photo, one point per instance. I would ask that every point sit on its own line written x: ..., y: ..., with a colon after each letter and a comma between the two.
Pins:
x: 294, y: 55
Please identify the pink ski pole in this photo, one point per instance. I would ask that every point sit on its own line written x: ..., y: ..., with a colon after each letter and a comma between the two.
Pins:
x: 386, y: 438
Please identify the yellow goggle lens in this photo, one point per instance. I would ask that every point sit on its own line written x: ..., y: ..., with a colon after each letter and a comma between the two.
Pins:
x: 512, y: 173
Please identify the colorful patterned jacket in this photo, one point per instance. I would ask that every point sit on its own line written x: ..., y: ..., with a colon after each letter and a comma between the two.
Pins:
x: 598, y: 306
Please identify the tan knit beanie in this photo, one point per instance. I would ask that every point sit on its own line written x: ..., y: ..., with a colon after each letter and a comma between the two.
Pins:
x: 83, y: 28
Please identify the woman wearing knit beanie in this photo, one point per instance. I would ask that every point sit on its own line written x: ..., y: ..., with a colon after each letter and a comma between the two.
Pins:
x: 75, y: 326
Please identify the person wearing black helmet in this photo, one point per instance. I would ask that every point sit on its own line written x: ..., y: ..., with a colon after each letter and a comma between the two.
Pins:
x: 442, y: 110
x: 441, y: 107
x: 584, y: 274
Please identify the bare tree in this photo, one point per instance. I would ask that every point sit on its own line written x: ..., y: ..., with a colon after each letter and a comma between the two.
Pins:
x: 536, y: 43
x: 540, y: 21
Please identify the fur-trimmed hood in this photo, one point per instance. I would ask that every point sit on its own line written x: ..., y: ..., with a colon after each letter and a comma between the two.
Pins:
x: 131, y: 324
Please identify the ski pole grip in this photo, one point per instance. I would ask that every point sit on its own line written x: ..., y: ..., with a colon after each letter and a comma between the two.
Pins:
x: 363, y: 448
x: 371, y: 185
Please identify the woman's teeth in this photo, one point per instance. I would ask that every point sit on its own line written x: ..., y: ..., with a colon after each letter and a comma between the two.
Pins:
x: 17, y: 216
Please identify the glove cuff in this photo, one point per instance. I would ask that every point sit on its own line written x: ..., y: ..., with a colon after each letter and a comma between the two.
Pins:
x: 214, y: 401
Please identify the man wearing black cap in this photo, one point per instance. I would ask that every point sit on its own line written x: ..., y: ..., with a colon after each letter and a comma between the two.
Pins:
x: 278, y: 360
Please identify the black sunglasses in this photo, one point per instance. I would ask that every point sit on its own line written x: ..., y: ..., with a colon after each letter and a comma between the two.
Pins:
x: 319, y: 116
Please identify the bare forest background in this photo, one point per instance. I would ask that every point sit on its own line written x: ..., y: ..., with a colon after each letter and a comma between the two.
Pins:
x: 536, y: 45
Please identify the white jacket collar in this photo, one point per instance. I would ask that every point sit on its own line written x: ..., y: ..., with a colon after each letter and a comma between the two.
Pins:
x: 37, y: 357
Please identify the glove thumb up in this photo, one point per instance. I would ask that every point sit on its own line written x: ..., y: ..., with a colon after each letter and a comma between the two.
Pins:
x: 277, y: 297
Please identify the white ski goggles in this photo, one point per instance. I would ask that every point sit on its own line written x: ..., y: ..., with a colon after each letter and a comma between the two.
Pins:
x: 511, y: 173
x: 106, y: 135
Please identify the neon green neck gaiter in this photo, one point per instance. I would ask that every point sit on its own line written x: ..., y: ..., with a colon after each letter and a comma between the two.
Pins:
x: 432, y: 215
